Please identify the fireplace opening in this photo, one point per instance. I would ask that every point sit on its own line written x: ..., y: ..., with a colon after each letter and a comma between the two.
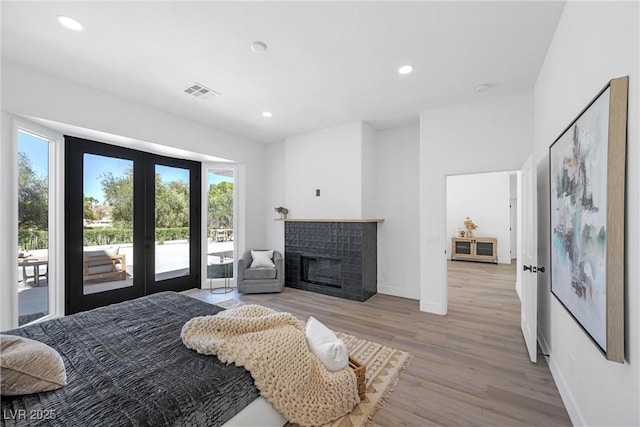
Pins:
x: 322, y: 271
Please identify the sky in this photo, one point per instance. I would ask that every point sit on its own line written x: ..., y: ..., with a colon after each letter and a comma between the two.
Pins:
x: 37, y: 150
x: 95, y: 166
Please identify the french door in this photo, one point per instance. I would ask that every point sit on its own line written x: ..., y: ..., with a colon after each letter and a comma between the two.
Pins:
x: 132, y: 226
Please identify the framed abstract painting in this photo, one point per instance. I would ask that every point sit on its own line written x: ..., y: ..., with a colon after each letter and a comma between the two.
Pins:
x: 587, y: 202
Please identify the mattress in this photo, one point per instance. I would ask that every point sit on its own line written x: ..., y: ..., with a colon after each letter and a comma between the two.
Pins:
x: 126, y: 366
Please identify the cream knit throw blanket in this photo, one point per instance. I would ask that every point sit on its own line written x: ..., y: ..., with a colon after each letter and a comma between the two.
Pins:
x: 273, y: 347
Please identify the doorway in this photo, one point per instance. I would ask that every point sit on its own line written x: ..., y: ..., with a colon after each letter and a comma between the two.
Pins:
x: 488, y: 202
x: 132, y: 226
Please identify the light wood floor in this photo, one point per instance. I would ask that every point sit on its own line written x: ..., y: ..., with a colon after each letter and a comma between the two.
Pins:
x: 470, y: 367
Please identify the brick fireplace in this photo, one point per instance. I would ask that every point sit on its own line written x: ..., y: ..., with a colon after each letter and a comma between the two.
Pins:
x: 332, y: 257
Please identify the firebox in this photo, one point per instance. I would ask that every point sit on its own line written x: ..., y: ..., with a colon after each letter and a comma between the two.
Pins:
x: 321, y: 271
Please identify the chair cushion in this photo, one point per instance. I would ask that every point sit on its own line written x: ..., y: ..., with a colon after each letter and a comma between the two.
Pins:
x: 29, y: 366
x: 99, y: 269
x: 260, y: 273
x: 111, y: 251
x: 262, y: 259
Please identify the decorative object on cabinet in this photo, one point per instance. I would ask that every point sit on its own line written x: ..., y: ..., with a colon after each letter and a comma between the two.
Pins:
x: 470, y: 226
x: 587, y: 192
x: 474, y: 249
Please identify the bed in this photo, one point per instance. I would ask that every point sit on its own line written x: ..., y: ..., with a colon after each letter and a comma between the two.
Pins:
x: 126, y: 365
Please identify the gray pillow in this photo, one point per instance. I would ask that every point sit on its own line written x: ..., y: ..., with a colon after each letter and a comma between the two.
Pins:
x: 29, y: 366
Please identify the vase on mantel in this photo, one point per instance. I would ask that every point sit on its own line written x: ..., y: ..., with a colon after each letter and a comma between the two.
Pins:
x: 283, y: 212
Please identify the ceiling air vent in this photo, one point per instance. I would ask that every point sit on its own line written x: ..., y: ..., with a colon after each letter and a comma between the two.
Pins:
x: 201, y: 91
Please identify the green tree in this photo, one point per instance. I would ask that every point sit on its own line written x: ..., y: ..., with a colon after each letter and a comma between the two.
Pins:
x: 89, y: 203
x: 172, y: 204
x: 118, y: 193
x: 33, y: 196
x: 220, y: 204
x: 172, y: 200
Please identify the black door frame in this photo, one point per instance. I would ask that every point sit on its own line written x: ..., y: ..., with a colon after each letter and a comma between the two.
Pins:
x: 143, y: 222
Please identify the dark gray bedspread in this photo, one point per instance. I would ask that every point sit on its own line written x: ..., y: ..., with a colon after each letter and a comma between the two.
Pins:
x: 126, y: 366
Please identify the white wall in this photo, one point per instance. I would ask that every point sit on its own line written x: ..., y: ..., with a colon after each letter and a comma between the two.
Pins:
x: 369, y: 171
x: 489, y: 135
x: 388, y: 165
x: 594, y: 42
x: 275, y: 195
x: 329, y: 160
x: 485, y: 199
x: 397, y: 201
x: 32, y: 93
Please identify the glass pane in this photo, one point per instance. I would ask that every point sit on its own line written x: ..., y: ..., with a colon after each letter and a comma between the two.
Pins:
x: 484, y: 248
x: 220, y: 224
x: 33, y: 228
x: 172, y: 222
x: 107, y: 261
x: 463, y: 248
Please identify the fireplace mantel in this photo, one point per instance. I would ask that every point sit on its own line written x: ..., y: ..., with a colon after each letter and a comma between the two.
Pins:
x: 331, y: 220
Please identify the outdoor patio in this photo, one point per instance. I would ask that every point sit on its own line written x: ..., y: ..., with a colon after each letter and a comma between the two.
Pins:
x: 172, y: 260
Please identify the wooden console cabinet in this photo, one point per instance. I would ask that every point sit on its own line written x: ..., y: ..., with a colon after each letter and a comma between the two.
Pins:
x: 474, y: 248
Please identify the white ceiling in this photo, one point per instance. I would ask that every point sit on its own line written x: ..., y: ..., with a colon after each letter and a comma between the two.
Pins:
x: 326, y: 64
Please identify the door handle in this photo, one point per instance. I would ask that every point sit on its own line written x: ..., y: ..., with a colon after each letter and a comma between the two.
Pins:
x: 541, y: 269
x: 527, y: 268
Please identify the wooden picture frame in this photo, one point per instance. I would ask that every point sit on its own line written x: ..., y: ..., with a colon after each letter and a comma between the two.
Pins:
x: 587, y: 212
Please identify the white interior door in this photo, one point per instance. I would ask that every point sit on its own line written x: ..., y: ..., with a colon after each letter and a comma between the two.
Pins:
x: 529, y: 259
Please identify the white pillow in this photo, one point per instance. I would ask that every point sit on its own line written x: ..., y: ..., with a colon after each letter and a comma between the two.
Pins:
x: 262, y: 259
x: 331, y: 351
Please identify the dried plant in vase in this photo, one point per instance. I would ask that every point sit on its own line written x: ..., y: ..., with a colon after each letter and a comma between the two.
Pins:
x: 282, y: 211
x: 470, y: 226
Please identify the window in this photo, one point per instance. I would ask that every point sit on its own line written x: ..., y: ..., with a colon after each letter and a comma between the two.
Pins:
x: 220, y: 196
x: 36, y: 226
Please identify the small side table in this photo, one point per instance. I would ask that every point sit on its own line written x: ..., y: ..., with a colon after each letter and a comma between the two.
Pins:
x: 225, y: 263
x: 35, y: 263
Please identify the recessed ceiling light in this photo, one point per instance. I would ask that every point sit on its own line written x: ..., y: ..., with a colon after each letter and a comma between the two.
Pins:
x: 267, y: 114
x: 258, y: 46
x: 69, y: 23
x: 483, y: 87
x: 405, y: 69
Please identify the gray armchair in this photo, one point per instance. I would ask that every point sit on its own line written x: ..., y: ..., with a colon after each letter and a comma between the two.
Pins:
x: 260, y: 279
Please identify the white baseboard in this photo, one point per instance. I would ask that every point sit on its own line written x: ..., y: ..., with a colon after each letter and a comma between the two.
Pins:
x: 431, y: 307
x: 398, y: 292
x: 565, y: 392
